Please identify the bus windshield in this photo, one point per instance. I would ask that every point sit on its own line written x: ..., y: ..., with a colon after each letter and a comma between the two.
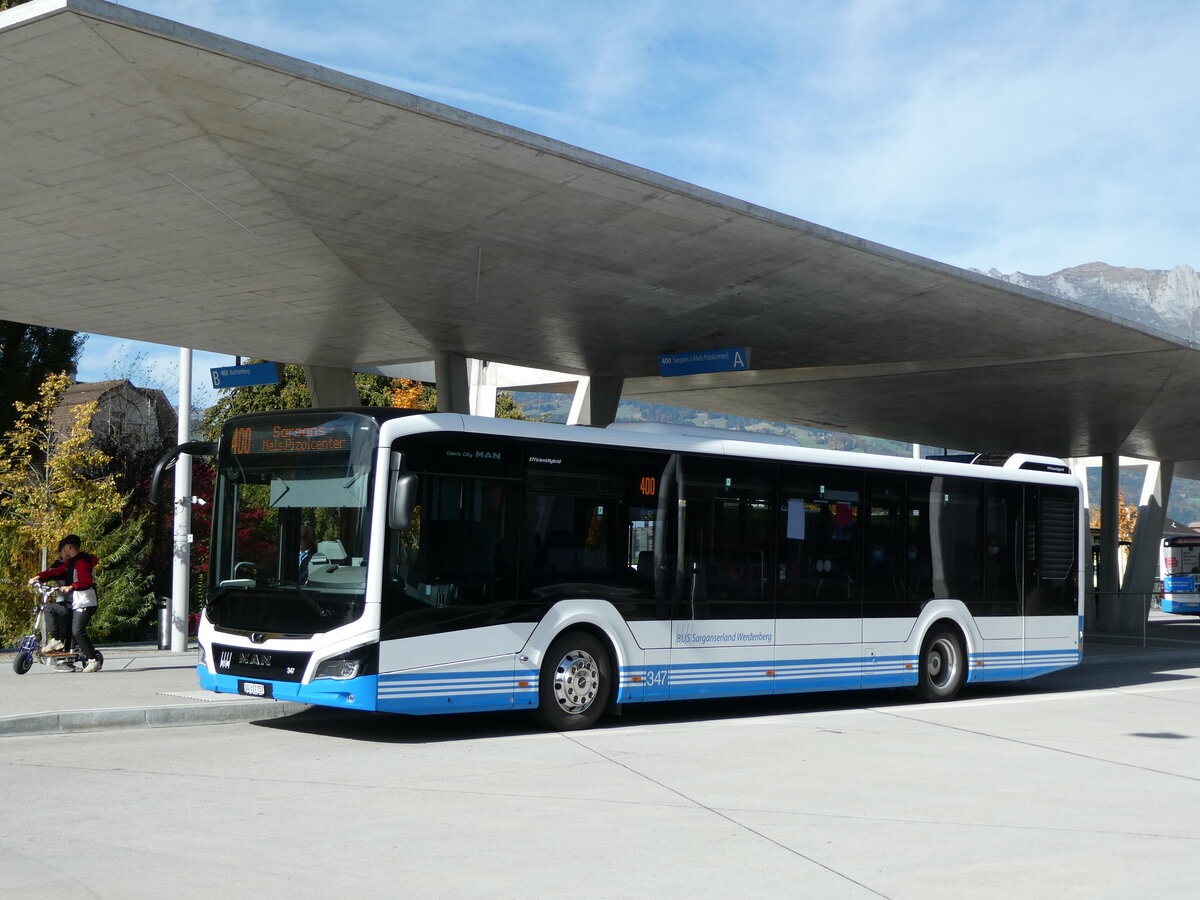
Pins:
x: 291, y: 522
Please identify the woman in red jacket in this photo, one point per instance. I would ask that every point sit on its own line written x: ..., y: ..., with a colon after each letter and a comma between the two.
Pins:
x: 75, y: 570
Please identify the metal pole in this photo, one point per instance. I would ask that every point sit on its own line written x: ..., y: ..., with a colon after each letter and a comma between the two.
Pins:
x: 183, y: 510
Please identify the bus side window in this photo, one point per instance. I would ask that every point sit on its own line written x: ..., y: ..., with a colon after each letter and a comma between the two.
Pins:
x: 918, y: 566
x: 956, y: 543
x: 820, y: 543
x: 461, y: 547
x: 1001, y: 560
x: 728, y: 509
x: 883, y: 569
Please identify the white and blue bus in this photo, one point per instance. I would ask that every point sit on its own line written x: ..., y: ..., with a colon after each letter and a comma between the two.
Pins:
x: 420, y: 563
x: 1179, y: 568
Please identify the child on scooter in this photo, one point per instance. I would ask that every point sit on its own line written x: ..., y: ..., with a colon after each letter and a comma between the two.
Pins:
x: 69, y: 622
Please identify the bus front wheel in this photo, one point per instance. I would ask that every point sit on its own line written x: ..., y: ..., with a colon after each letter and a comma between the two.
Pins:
x: 575, y: 682
x: 943, y: 665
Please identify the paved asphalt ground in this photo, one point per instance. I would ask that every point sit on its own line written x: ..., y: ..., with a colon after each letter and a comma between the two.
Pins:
x: 1081, y: 784
x: 141, y: 686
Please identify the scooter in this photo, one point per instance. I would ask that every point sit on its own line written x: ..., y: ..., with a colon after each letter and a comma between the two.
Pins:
x: 30, y: 650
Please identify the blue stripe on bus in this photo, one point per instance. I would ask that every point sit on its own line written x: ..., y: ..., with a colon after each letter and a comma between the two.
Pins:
x: 447, y: 692
x: 479, y: 691
x: 1017, y: 665
x: 354, y: 693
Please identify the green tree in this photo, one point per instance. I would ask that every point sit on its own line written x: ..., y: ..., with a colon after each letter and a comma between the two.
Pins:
x: 124, y: 578
x: 50, y: 485
x: 29, y: 353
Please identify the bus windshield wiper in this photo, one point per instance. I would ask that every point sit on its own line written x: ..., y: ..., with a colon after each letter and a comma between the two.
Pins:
x: 304, y: 595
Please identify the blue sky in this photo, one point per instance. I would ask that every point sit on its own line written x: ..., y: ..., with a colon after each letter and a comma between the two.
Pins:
x: 1022, y: 135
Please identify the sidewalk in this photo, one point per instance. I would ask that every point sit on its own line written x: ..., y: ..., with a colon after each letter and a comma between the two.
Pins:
x: 139, y: 687
x: 143, y: 687
x: 1167, y: 640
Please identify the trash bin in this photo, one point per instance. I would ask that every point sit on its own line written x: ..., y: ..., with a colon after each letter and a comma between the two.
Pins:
x: 164, y: 623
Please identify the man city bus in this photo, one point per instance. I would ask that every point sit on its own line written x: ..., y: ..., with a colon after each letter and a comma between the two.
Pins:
x: 458, y: 564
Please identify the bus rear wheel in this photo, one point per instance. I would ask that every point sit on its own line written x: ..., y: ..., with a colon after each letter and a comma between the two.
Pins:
x: 575, y: 682
x: 943, y: 666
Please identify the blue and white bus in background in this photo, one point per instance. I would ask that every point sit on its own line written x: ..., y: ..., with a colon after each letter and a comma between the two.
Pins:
x: 1180, y: 572
x: 466, y: 564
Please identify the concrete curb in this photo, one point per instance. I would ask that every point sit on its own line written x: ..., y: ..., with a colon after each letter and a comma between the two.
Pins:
x: 81, y: 720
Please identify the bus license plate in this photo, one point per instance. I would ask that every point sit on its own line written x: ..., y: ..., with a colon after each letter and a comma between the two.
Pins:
x: 254, y: 689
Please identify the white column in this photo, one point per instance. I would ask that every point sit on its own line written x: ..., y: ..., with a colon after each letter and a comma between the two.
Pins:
x: 181, y: 568
x: 596, y: 401
x: 1148, y: 532
x: 580, y: 413
x: 331, y: 387
x: 482, y: 387
x: 1079, y: 468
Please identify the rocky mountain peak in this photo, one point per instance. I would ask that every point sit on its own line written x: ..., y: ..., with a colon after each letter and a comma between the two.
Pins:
x: 1163, y: 299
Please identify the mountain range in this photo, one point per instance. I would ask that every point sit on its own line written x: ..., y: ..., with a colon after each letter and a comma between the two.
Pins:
x: 1164, y: 299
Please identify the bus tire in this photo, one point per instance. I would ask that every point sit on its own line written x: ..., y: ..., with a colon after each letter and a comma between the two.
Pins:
x: 575, y: 682
x: 943, y: 665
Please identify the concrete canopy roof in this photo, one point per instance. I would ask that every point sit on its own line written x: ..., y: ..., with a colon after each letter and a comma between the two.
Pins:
x: 166, y: 184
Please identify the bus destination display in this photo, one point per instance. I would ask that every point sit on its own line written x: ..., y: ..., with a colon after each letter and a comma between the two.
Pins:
x: 289, y: 439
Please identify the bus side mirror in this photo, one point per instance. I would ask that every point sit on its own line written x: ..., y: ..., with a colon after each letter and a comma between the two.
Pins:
x: 167, y: 462
x: 403, y: 499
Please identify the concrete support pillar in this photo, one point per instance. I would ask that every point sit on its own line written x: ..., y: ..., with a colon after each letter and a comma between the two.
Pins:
x: 579, y: 403
x: 1079, y: 469
x: 483, y: 388
x: 596, y: 401
x: 1147, y: 534
x: 331, y: 387
x: 1107, y: 603
x: 453, y: 382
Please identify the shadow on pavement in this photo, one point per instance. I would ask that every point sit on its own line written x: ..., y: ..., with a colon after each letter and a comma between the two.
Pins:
x: 355, y: 725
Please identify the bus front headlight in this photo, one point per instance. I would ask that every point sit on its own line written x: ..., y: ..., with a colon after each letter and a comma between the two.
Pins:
x: 352, y: 664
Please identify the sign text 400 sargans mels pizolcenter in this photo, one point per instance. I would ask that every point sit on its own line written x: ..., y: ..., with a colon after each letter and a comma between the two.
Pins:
x: 284, y: 439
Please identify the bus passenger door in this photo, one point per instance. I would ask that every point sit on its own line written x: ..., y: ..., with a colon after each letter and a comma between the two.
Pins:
x: 723, y: 628
x: 819, y: 623
x: 451, y: 624
x: 997, y: 607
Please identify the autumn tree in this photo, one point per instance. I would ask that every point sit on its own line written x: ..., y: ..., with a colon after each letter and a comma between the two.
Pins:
x: 51, y: 484
x: 1127, y: 515
x: 409, y: 394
